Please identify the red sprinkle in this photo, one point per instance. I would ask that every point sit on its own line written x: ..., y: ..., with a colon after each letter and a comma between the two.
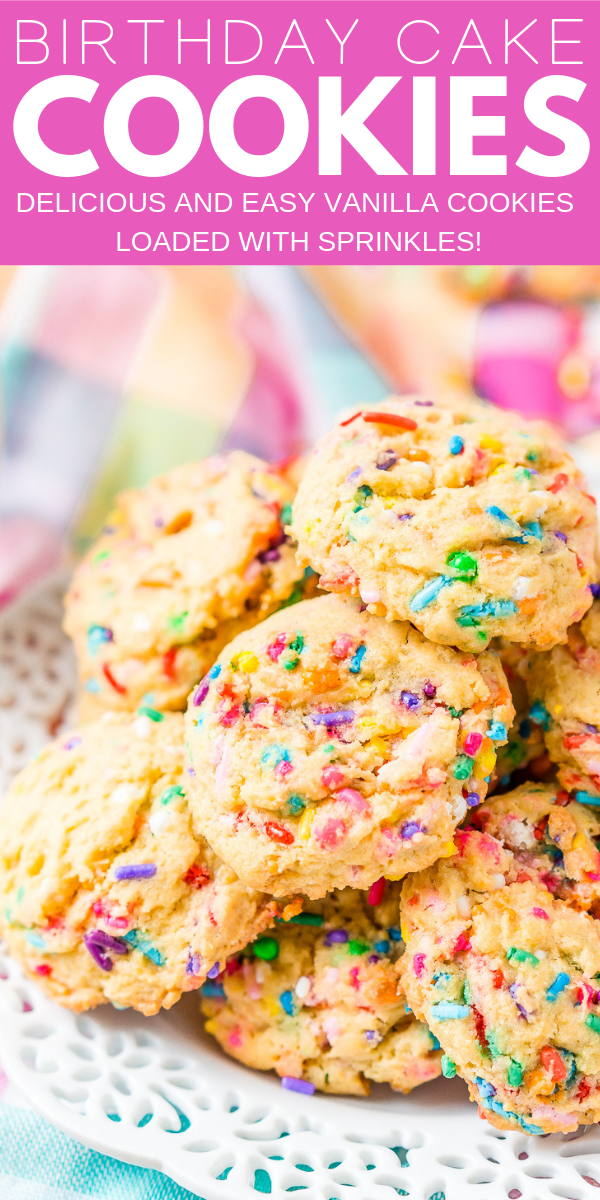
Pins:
x: 553, y: 1063
x: 480, y: 1028
x: 376, y: 890
x: 379, y: 418
x: 498, y: 978
x: 232, y: 965
x: 106, y: 671
x: 278, y: 833
x: 349, y: 420
x: 354, y: 978
x: 562, y: 798
x: 196, y: 876
x: 583, y: 1090
x: 275, y: 648
x: 168, y: 663
x: 559, y: 483
x: 43, y: 969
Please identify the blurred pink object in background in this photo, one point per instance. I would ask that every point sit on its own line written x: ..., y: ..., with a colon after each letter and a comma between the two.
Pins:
x: 29, y: 549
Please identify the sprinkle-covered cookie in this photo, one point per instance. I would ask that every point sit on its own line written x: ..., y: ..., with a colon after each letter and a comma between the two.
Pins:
x: 182, y: 566
x: 329, y: 747
x: 466, y: 520
x: 564, y: 688
x: 108, y: 889
x: 507, y: 977
x: 317, y: 1000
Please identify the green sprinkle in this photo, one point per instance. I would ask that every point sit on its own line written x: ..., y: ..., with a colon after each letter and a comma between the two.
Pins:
x: 296, y: 804
x: 303, y: 919
x: 455, y: 712
x: 448, y: 1067
x: 593, y: 1022
x: 514, y: 1074
x: 467, y: 993
x: 532, y: 456
x: 291, y: 663
x: 286, y: 514
x: 170, y: 793
x: 20, y: 894
x: 266, y: 948
x: 98, y: 558
x: 521, y: 956
x: 178, y: 621
x: 297, y: 644
x: 481, y: 635
x: 493, y: 1043
x: 356, y: 947
x: 329, y: 748
x: 462, y: 767
x: 465, y: 567
x: 153, y: 713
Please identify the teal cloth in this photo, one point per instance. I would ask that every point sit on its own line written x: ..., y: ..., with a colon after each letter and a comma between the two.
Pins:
x: 37, y: 1162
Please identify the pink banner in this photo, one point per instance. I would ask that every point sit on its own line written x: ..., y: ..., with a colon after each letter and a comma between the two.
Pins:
x: 367, y: 131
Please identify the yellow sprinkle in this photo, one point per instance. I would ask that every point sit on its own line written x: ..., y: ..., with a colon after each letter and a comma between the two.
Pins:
x: 448, y: 849
x: 378, y: 745
x: 579, y: 842
x: 484, y: 764
x: 365, y: 724
x: 210, y: 1026
x: 558, y: 708
x: 305, y: 824
x: 404, y: 931
x: 499, y: 467
x: 273, y: 1009
x: 247, y: 661
x: 487, y: 442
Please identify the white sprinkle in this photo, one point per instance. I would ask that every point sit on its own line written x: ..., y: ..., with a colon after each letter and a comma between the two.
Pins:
x: 125, y: 793
x: 302, y: 987
x: 524, y: 588
x: 370, y: 597
x: 141, y: 623
x: 541, y: 954
x: 463, y: 905
x: 159, y: 820
x: 142, y: 727
x: 498, y: 881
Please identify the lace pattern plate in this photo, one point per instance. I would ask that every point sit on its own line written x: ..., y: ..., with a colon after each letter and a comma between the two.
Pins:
x: 158, y: 1092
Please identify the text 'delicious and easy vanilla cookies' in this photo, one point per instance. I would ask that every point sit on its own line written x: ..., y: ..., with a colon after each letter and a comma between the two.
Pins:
x: 329, y: 747
x: 466, y: 520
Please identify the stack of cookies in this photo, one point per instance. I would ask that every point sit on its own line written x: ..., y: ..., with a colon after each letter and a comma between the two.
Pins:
x: 363, y: 664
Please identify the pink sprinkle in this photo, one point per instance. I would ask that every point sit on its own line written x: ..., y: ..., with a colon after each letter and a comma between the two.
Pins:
x: 539, y: 912
x: 332, y: 777
x: 283, y: 768
x: 354, y: 979
x: 593, y: 875
x: 43, y: 969
x: 342, y: 646
x: 354, y: 799
x: 331, y: 834
x: 462, y: 943
x: 370, y: 597
x: 472, y: 743
x: 418, y: 964
x: 235, y: 1037
x: 376, y: 890
x: 277, y: 647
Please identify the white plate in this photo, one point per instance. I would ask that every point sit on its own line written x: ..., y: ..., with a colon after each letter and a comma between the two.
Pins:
x: 158, y: 1092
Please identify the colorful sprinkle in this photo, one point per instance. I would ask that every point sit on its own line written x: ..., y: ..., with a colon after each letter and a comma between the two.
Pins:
x: 471, y: 614
x: 306, y: 918
x: 140, y: 941
x: 448, y: 1067
x: 553, y: 1064
x: 429, y: 690
x: 355, y: 663
x: 539, y: 714
x: 170, y: 793
x: 593, y: 1022
x: 472, y: 799
x: 465, y: 567
x: 100, y: 945
x: 449, y: 1012
x: 587, y: 798
x: 386, y: 459
x: 514, y: 1075
x: 277, y: 832
x: 296, y: 804
x: 456, y: 444
x: 383, y: 946
x: 136, y: 871
x: 409, y: 829
x: 331, y: 719
x: 484, y: 1088
x: 97, y: 635
x: 560, y: 983
x: 376, y: 891
x: 410, y: 700
x: 521, y: 956
x: 428, y: 594
x: 472, y: 743
x: 302, y: 987
x: 462, y: 767
x: 297, y: 1085
x: 497, y: 731
x: 214, y: 990
x: 73, y: 742
x: 336, y: 937
x: 35, y: 939
x: 273, y: 754
x: 287, y: 1003
x: 357, y: 947
x: 265, y: 948
x: 152, y: 713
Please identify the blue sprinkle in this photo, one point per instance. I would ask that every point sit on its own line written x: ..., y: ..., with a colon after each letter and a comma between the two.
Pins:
x: 214, y: 671
x: 295, y: 803
x: 534, y: 528
x: 484, y: 1088
x: 428, y: 594
x: 500, y: 515
x: 559, y: 985
x: 587, y: 798
x: 35, y: 939
x: 435, y: 1045
x: 497, y: 731
x: 140, y: 941
x: 274, y: 754
x: 456, y: 444
x: 471, y: 614
x: 394, y: 934
x: 382, y: 947
x: 356, y: 660
x: 287, y: 1003
x: 92, y: 685
x: 354, y: 474
x: 449, y: 1012
x: 96, y: 636
x: 213, y: 989
x: 539, y: 714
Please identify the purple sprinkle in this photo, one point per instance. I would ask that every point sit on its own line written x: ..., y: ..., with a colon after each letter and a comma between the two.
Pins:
x: 424, y: 403
x: 410, y: 700
x: 158, y: 521
x: 373, y: 958
x: 336, y: 935
x: 193, y: 965
x: 591, y: 728
x: 297, y: 1085
x: 429, y: 690
x: 405, y: 516
x: 386, y: 460
x: 98, y: 943
x: 268, y: 556
x: 558, y: 534
x: 136, y: 871
x: 513, y: 991
x: 594, y: 589
x: 214, y: 971
x: 201, y: 693
x: 370, y: 1035
x: 190, y: 771
x: 354, y: 474
x: 409, y: 829
x: 343, y: 717
x: 72, y: 743
x: 472, y: 799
